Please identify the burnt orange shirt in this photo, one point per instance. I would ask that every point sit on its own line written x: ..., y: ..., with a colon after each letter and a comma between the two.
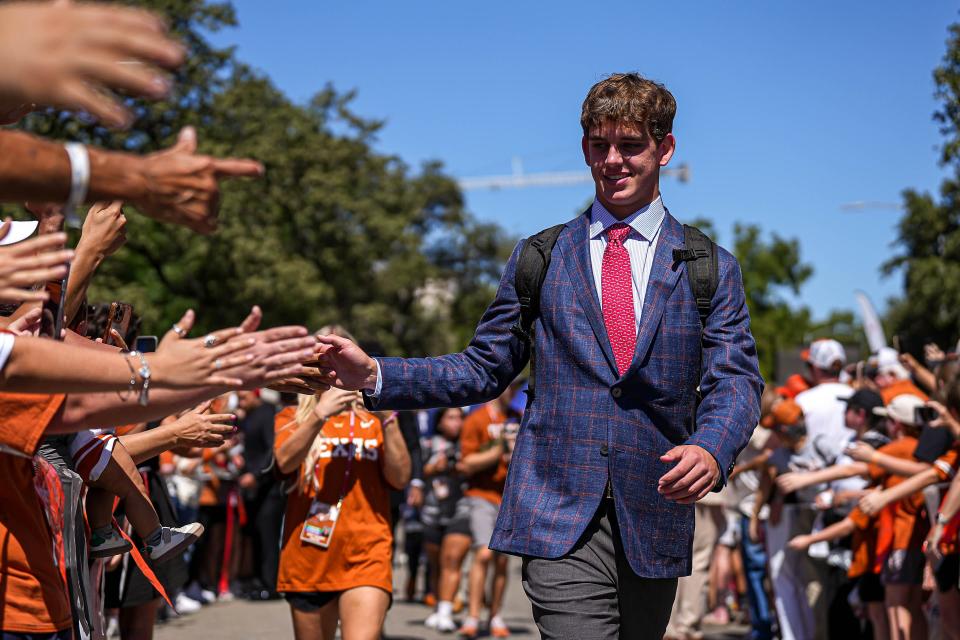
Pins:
x: 899, y: 388
x: 361, y: 548
x: 480, y: 430
x: 33, y: 598
x: 902, y: 530
x: 863, y: 544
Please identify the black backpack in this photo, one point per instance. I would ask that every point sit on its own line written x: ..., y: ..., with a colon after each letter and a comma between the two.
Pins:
x: 699, y: 252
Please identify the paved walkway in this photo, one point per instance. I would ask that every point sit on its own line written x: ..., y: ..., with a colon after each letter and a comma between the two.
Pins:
x: 243, y: 620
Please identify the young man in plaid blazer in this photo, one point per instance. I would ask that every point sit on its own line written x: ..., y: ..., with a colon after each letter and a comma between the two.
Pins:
x: 608, y: 462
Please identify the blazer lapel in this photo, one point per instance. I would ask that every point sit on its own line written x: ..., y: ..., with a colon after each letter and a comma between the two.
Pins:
x: 663, y: 279
x: 575, y: 248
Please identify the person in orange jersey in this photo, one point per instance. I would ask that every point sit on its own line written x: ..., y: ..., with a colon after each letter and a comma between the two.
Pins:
x: 336, y: 549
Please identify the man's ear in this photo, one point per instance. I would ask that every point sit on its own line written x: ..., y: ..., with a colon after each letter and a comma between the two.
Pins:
x: 584, y: 144
x: 666, y: 148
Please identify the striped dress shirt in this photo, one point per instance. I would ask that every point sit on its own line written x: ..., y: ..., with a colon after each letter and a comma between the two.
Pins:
x: 641, y: 245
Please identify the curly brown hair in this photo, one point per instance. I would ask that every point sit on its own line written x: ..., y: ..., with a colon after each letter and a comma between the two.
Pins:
x: 630, y: 98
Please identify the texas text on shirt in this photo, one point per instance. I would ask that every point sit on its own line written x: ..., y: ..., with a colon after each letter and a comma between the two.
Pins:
x: 34, y: 598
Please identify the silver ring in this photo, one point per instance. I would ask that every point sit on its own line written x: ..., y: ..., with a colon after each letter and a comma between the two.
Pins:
x: 209, y: 341
x: 217, y: 364
x: 177, y: 329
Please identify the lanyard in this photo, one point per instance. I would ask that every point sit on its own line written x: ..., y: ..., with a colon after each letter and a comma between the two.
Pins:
x: 346, y: 473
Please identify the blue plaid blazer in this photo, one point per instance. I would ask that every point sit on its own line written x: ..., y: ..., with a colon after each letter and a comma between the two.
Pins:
x: 586, y: 422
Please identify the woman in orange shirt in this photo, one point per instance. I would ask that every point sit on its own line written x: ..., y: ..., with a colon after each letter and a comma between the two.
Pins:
x: 335, y: 558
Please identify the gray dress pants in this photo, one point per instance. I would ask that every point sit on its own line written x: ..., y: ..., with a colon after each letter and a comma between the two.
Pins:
x: 592, y: 593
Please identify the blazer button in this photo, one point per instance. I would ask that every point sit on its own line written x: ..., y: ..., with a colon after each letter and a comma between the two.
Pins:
x: 604, y: 451
x: 616, y: 392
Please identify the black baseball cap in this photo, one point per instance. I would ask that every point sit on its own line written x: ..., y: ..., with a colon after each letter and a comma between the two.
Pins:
x: 864, y: 399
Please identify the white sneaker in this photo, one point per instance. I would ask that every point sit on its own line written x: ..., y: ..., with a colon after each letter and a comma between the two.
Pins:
x: 186, y: 605
x: 174, y: 541
x: 208, y: 596
x: 443, y: 624
x: 446, y: 625
x: 112, y: 545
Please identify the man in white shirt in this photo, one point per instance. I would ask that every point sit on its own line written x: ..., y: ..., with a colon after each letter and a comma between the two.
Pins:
x: 823, y: 404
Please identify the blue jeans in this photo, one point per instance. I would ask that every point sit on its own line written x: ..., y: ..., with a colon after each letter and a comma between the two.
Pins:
x: 755, y: 566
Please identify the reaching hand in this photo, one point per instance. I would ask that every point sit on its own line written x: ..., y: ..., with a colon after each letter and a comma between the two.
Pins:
x: 183, y: 187
x: 694, y: 476
x: 31, y: 262
x: 200, y: 428
x: 334, y: 402
x: 873, y: 503
x: 792, y: 481
x: 861, y: 451
x: 346, y: 365
x: 236, y: 359
x: 309, y: 383
x: 69, y: 56
x: 932, y: 353
x: 104, y: 229
x: 28, y: 324
x: 800, y: 543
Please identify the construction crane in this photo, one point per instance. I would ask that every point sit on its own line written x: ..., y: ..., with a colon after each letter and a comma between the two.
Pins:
x: 519, y: 179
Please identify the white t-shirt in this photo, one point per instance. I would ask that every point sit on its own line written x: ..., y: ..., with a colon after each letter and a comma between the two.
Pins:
x: 823, y: 411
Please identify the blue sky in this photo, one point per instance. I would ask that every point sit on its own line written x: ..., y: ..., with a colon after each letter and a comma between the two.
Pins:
x: 786, y: 110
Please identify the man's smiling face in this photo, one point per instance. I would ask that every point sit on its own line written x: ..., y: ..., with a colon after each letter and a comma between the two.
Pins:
x: 625, y: 162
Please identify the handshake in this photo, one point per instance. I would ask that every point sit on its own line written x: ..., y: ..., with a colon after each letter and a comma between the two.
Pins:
x: 335, y: 362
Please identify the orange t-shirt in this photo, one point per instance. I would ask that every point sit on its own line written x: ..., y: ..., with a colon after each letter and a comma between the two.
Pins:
x: 361, y: 548
x: 480, y: 429
x: 899, y: 388
x: 863, y: 544
x: 903, y: 530
x: 33, y: 598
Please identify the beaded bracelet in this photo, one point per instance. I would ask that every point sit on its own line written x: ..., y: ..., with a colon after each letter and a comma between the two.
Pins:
x: 144, y: 373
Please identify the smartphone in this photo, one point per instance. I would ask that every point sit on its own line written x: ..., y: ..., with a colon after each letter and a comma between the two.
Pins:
x: 146, y: 344
x: 925, y: 414
x: 120, y: 316
x: 51, y: 318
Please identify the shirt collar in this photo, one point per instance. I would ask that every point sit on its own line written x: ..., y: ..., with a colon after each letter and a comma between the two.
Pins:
x: 646, y: 221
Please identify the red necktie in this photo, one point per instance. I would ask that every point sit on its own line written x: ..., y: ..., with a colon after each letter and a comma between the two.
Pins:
x: 617, y: 289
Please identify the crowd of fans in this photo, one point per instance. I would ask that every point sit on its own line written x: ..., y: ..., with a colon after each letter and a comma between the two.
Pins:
x: 190, y: 470
x: 840, y: 519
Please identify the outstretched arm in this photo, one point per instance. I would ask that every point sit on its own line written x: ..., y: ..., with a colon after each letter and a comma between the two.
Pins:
x: 480, y: 373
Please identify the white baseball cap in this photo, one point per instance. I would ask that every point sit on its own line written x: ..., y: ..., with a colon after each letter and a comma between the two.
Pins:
x: 19, y: 231
x: 823, y: 354
x: 902, y: 408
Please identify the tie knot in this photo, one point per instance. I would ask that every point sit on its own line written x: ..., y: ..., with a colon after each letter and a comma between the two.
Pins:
x: 618, y: 233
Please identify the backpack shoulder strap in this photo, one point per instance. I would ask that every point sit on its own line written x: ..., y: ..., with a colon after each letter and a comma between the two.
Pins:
x: 703, y: 271
x: 532, y: 266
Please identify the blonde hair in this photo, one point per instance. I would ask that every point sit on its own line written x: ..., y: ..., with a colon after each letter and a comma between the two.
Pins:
x: 305, y: 407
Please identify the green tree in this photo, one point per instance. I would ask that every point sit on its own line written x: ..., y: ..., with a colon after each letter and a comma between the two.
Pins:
x: 928, y: 236
x: 335, y: 232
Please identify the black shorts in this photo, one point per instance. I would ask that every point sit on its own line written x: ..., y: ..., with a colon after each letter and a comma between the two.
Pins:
x: 904, y: 566
x: 434, y: 534
x: 869, y: 588
x: 948, y: 573
x: 310, y: 601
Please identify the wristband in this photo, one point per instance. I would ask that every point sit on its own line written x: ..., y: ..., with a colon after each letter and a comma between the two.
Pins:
x: 79, y: 180
x: 942, y: 519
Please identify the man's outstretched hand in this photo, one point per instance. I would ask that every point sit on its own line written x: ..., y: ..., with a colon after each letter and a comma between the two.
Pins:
x: 345, y: 365
x: 694, y: 476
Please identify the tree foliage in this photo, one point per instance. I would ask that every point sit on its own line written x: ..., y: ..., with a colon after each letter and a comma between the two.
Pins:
x: 929, y: 232
x: 335, y: 232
